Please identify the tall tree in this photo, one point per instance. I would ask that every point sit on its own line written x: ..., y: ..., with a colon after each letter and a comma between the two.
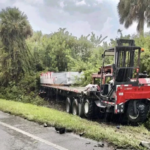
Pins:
x: 14, y: 29
x: 134, y: 11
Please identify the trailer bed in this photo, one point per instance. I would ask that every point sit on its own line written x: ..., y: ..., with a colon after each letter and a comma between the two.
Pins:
x: 66, y: 88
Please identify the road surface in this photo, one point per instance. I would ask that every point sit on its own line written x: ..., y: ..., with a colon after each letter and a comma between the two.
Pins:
x: 19, y: 134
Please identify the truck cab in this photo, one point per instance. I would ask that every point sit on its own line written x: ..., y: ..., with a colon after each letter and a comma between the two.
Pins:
x: 123, y: 90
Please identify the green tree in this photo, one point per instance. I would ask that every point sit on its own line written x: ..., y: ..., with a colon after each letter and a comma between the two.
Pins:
x: 37, y: 47
x: 145, y: 56
x: 97, y: 40
x: 14, y: 29
x: 134, y: 11
x: 56, y: 50
x: 83, y: 48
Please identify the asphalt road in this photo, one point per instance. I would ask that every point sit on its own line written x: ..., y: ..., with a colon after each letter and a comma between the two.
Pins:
x: 19, y: 134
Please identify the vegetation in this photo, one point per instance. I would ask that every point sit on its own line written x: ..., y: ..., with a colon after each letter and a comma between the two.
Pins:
x: 124, y: 137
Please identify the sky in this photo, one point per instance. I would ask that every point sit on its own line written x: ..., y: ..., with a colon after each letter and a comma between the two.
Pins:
x: 79, y: 17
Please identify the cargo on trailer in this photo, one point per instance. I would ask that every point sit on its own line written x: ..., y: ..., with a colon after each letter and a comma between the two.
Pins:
x: 60, y: 78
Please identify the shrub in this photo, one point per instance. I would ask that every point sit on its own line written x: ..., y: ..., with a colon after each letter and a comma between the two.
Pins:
x: 26, y: 90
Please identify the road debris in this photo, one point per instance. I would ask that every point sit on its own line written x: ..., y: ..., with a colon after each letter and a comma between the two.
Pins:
x: 145, y: 144
x: 81, y: 134
x: 45, y: 125
x: 60, y: 130
x: 99, y: 145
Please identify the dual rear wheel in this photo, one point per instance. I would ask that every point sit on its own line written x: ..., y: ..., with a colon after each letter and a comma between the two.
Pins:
x: 82, y: 108
x: 72, y: 106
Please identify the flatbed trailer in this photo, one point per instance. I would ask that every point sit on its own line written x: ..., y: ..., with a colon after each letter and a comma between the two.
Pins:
x: 81, y: 101
x: 66, y: 88
x: 75, y: 97
x: 127, y: 93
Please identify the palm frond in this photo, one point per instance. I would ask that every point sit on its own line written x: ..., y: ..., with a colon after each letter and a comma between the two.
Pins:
x: 134, y: 10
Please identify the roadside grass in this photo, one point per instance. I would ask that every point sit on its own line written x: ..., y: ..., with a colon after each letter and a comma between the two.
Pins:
x: 125, y: 137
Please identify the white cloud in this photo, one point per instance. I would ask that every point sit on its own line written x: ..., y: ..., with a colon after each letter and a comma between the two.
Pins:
x: 34, y: 1
x: 99, y: 1
x: 81, y: 2
x: 62, y: 4
x: 107, y: 29
x: 79, y: 28
x: 4, y: 1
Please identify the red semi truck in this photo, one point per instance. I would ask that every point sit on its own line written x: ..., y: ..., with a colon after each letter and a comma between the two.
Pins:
x: 121, y: 88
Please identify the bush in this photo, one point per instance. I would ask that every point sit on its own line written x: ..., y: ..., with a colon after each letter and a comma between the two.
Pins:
x: 26, y: 90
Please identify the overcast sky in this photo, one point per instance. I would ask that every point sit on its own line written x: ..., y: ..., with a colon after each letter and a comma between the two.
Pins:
x: 78, y: 16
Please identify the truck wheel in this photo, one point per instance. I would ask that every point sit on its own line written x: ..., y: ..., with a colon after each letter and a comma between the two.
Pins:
x: 142, y: 111
x: 88, y: 109
x: 75, y: 107
x: 80, y: 113
x: 68, y: 105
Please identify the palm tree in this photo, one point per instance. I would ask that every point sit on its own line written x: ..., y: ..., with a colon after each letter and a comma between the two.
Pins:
x: 14, y: 29
x: 134, y: 11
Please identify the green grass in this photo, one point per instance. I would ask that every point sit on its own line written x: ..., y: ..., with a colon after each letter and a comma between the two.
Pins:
x: 126, y: 136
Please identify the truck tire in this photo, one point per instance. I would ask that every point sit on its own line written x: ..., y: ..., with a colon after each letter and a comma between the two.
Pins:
x: 142, y: 109
x: 68, y: 105
x: 80, y: 113
x: 75, y: 107
x: 88, y: 109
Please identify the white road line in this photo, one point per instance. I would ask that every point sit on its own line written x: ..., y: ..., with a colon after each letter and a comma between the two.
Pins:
x: 33, y: 136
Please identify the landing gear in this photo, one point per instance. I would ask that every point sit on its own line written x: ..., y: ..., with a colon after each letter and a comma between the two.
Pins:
x: 137, y: 111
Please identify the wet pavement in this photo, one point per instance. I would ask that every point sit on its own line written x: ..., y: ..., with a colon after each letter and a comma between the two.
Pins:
x: 19, y: 134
